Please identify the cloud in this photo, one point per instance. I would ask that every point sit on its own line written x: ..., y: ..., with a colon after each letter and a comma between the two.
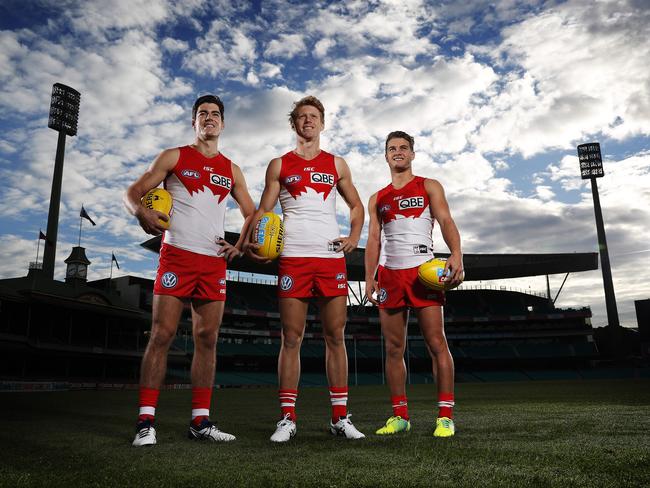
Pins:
x: 286, y: 46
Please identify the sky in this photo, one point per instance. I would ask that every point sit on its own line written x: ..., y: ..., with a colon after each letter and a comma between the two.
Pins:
x: 496, y: 93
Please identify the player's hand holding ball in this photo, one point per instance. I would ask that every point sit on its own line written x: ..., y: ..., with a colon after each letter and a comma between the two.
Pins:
x: 438, y: 274
x: 267, y: 239
x: 155, y: 212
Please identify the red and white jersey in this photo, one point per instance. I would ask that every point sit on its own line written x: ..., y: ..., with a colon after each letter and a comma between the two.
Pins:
x: 308, y: 200
x: 200, y: 187
x: 406, y: 225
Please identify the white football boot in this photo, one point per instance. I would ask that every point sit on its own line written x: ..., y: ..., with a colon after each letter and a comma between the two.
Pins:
x: 145, y: 434
x: 285, y: 430
x: 207, y: 431
x: 345, y: 428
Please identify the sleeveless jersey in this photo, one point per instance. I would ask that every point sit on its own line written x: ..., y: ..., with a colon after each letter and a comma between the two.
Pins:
x: 200, y: 187
x: 308, y: 200
x: 406, y: 225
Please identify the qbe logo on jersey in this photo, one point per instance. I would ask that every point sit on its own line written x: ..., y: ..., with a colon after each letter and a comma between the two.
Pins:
x: 412, y: 202
x: 221, y: 181
x: 169, y: 280
x: 286, y: 283
x: 323, y: 178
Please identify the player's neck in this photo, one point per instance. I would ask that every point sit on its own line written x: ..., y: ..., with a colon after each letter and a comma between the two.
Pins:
x: 307, y: 148
x: 402, y: 178
x: 209, y: 148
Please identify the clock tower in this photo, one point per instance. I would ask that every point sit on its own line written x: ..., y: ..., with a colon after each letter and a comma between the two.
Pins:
x: 77, y: 270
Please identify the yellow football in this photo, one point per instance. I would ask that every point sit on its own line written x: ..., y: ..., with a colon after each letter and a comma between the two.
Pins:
x: 159, y: 199
x: 269, y: 234
x: 431, y: 274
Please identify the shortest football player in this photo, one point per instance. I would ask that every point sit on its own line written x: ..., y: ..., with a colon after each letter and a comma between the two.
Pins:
x: 404, y: 211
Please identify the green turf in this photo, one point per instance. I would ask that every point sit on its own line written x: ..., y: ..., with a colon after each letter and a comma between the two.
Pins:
x: 574, y: 433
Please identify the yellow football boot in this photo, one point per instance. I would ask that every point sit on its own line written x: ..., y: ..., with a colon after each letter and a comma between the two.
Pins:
x: 394, y: 425
x: 444, y: 427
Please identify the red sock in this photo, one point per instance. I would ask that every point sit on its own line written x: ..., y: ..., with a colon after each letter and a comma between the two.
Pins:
x: 200, y: 404
x: 148, y: 402
x: 400, y: 406
x: 288, y: 402
x: 445, y: 405
x: 339, y: 400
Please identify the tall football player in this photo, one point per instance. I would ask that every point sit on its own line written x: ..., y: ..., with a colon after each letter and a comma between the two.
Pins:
x: 306, y: 181
x: 192, y: 263
x: 404, y: 212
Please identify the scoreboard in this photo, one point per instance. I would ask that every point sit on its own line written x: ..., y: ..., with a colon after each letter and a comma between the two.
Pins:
x: 591, y: 162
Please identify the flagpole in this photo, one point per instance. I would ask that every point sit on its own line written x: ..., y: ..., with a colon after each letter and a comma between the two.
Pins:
x: 110, y: 277
x: 80, y: 219
x: 38, y: 245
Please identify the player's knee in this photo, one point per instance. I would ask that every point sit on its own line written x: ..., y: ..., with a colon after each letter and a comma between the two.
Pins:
x: 394, y: 350
x: 205, y: 337
x: 438, y: 344
x: 334, y: 339
x: 161, y: 337
x: 291, y: 340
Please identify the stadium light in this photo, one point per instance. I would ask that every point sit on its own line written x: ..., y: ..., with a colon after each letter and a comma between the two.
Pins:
x: 591, y: 167
x: 64, y: 114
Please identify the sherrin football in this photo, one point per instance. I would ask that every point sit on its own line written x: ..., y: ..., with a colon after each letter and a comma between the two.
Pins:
x: 159, y: 199
x: 431, y: 275
x: 269, y: 234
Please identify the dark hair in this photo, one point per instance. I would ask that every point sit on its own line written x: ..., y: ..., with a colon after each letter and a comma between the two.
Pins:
x: 207, y: 99
x: 309, y: 100
x: 402, y: 135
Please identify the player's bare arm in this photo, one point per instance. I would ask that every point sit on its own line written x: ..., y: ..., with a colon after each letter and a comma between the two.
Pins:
x: 350, y: 195
x: 240, y: 194
x: 371, y: 258
x: 440, y: 211
x: 151, y: 178
x: 268, y: 201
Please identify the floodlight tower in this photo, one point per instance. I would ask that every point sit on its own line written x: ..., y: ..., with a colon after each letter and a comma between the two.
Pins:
x: 64, y: 113
x: 591, y: 167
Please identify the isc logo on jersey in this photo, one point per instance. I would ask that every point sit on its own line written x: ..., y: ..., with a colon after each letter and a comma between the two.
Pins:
x: 323, y: 178
x: 412, y: 202
x: 220, y: 180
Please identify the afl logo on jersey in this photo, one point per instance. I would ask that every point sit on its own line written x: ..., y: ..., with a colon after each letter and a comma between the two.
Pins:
x: 290, y: 180
x: 340, y: 276
x: 191, y: 173
x: 221, y: 181
x: 323, y: 178
x: 222, y: 281
x: 286, y: 283
x: 412, y: 202
x: 383, y: 295
x: 384, y: 208
x: 168, y: 280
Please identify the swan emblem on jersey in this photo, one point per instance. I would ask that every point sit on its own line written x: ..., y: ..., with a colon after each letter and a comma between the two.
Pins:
x: 217, y: 181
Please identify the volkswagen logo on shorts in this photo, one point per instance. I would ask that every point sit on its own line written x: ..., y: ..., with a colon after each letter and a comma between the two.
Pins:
x: 286, y: 282
x: 169, y: 280
x: 383, y: 295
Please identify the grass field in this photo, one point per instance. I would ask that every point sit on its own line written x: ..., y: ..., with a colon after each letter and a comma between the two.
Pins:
x: 578, y: 433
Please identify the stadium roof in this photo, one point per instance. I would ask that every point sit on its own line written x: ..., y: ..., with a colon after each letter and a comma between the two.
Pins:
x: 477, y: 266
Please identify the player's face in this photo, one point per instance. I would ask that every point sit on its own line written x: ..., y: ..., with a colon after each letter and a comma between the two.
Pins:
x: 399, y: 154
x: 308, y: 123
x: 208, y: 123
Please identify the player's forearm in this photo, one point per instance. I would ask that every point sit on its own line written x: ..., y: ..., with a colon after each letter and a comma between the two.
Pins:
x: 245, y: 231
x: 356, y: 222
x: 371, y: 258
x: 451, y: 235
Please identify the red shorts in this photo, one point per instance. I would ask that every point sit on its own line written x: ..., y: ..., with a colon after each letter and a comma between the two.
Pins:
x: 400, y: 288
x: 312, y: 277
x: 186, y: 274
